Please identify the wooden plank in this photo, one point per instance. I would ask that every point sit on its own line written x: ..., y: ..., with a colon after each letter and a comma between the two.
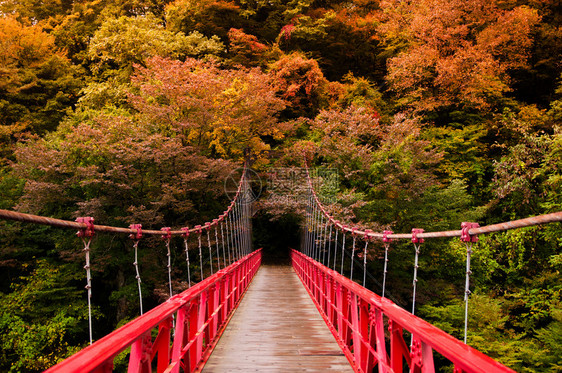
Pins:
x: 277, y: 328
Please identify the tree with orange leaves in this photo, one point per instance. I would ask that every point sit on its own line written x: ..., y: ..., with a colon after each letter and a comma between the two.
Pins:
x: 454, y: 53
x: 37, y: 82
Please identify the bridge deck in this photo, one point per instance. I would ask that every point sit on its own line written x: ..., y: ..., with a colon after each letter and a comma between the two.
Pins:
x: 277, y: 328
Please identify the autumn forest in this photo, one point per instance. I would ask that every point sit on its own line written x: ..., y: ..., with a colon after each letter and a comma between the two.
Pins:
x: 432, y: 112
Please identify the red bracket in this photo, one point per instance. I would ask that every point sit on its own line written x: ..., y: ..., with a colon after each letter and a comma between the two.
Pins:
x: 167, y: 233
x: 89, y: 230
x: 185, y: 231
x: 416, y: 355
x: 215, y: 222
x: 138, y: 234
x: 415, y: 238
x: 366, y: 236
x: 199, y: 229
x: 465, y: 236
x: 385, y: 238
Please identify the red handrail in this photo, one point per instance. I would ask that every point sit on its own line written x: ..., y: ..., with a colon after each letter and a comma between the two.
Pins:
x: 356, y: 318
x: 201, y: 313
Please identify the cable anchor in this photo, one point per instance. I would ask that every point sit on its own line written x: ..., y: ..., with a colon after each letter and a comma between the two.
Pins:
x: 137, y: 234
x: 465, y: 235
x: 89, y: 230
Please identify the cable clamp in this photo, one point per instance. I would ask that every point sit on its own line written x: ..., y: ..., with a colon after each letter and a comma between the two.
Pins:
x: 366, y: 235
x: 138, y: 234
x: 385, y: 238
x: 199, y: 229
x: 185, y: 231
x: 465, y: 236
x: 415, y: 238
x: 167, y: 233
x: 89, y: 230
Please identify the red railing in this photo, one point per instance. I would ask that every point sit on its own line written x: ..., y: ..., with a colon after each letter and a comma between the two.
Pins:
x: 356, y: 317
x: 199, y: 314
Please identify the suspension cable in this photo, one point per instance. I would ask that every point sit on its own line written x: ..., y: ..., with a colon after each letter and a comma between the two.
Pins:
x: 329, y: 246
x: 365, y: 259
x: 468, y: 240
x: 186, y: 249
x: 386, y: 242
x: 136, y: 265
x: 200, y: 251
x: 207, y: 228
x: 167, y: 236
x: 322, y: 253
x: 223, y: 250
x: 234, y: 233
x: 217, y: 243
x: 316, y: 228
x: 227, y: 243
x: 342, y: 253
x: 235, y: 238
x: 335, y: 249
x: 417, y: 243
x: 86, y: 235
x: 136, y: 238
x: 324, y: 240
x: 88, y: 282
x: 310, y: 231
x: 308, y: 224
x: 352, y: 255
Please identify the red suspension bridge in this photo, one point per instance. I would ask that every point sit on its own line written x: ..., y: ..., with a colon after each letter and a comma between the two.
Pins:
x: 340, y: 325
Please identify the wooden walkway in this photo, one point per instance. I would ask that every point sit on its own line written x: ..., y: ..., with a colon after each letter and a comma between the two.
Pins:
x: 277, y: 328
